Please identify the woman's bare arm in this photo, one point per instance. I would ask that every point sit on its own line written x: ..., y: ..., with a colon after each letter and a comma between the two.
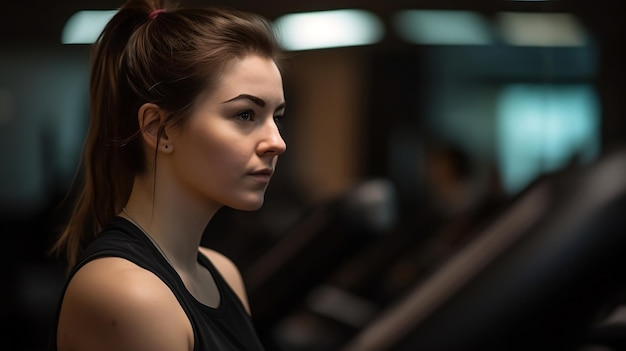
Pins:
x: 112, y: 304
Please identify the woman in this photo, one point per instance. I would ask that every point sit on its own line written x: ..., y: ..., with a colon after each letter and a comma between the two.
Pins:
x: 184, y: 110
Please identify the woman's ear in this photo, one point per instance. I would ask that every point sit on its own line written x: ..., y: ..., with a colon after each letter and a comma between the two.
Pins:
x: 151, y: 120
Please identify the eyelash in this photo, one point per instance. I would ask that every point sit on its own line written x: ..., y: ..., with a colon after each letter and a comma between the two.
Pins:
x: 278, y: 119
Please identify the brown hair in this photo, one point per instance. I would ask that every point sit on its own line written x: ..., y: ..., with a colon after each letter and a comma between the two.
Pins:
x: 167, y: 57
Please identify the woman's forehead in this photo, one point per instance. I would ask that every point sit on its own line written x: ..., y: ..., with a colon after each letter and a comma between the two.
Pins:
x: 252, y: 75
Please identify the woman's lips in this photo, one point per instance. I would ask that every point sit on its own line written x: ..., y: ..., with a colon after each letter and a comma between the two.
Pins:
x: 262, y: 175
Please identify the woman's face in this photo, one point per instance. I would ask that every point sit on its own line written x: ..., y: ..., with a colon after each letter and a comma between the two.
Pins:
x: 227, y: 151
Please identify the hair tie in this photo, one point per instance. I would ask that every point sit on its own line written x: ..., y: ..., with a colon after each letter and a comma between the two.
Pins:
x: 155, y: 13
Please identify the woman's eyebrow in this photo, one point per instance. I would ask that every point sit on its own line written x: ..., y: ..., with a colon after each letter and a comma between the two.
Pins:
x: 258, y: 101
x: 252, y: 98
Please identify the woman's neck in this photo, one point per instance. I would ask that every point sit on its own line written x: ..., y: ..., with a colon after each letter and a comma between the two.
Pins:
x: 173, y: 221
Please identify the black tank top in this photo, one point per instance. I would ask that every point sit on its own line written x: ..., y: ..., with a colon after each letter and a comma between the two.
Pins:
x: 227, y: 327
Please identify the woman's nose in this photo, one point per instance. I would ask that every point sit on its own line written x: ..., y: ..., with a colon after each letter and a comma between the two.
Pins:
x: 272, y: 143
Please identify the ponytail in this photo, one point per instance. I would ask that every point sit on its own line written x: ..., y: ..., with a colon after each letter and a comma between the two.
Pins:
x: 112, y: 153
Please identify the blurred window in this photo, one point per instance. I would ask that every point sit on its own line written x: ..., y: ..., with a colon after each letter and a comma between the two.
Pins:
x: 543, y: 128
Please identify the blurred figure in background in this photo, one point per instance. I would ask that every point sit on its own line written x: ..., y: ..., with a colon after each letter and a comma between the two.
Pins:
x: 460, y: 202
x: 184, y: 120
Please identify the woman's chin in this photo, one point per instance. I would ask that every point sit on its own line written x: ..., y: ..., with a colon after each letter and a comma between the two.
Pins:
x: 250, y: 204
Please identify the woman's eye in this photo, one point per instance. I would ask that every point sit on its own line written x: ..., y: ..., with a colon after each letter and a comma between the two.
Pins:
x: 245, y: 115
x: 278, y: 120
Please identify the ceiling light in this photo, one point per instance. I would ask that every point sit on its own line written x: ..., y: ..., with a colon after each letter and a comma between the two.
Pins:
x: 541, y: 29
x: 441, y: 27
x: 327, y: 29
x: 84, y: 27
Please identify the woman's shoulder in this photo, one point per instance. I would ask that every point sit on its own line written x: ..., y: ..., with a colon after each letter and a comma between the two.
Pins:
x: 227, y: 269
x: 111, y: 303
x: 116, y: 274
